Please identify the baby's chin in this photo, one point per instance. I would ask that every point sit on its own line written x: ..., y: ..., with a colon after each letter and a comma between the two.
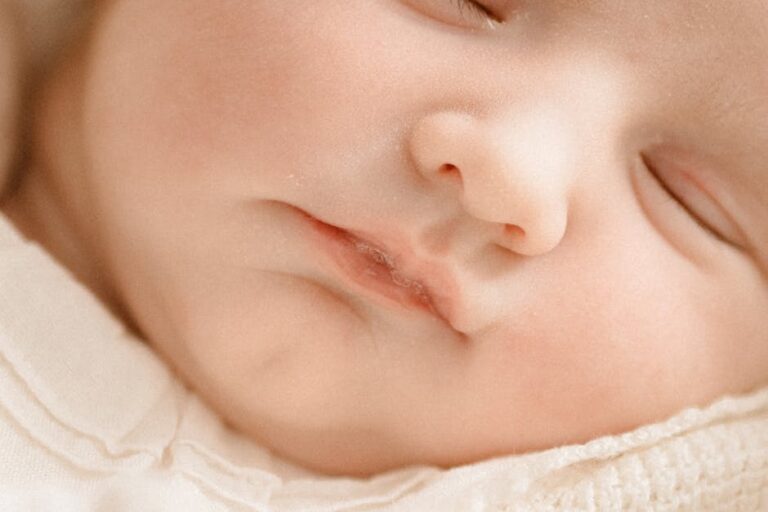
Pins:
x: 364, y: 450
x: 363, y: 453
x: 354, y: 453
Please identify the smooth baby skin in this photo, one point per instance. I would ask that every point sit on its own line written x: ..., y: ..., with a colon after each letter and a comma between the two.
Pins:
x: 191, y: 158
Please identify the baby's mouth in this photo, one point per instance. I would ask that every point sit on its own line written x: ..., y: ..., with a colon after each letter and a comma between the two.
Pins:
x: 381, y: 265
x: 374, y: 269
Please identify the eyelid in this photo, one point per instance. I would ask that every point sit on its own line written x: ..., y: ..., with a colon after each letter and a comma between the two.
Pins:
x: 685, y: 189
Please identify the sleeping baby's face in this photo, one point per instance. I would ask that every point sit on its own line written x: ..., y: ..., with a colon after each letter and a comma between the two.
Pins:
x: 389, y: 232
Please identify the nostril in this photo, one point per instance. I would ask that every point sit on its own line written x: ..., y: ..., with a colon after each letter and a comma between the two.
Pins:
x: 450, y: 171
x: 514, y: 230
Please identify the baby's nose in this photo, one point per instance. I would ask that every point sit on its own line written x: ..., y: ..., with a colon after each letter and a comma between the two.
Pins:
x: 514, y: 171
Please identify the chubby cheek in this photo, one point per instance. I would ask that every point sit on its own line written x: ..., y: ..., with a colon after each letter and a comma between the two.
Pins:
x: 267, y: 347
x: 625, y: 331
x: 736, y: 311
x: 248, y: 91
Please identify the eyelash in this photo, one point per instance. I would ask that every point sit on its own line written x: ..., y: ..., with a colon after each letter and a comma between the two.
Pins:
x: 476, y: 8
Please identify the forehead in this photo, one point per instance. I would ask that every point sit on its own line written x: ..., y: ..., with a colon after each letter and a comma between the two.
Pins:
x: 707, y: 62
x: 713, y: 51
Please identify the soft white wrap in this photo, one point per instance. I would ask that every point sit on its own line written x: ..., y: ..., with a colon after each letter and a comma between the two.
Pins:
x: 90, y: 419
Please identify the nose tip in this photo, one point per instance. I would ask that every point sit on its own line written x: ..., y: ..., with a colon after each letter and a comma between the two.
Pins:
x: 497, y: 177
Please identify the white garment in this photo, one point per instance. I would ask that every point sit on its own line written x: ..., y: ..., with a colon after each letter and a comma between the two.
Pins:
x: 90, y: 419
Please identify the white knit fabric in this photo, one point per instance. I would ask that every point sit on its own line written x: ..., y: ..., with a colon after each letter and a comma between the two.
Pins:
x: 91, y: 420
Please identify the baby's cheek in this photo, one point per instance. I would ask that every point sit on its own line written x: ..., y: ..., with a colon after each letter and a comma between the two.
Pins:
x: 734, y: 307
x: 168, y: 95
x: 249, y: 98
x: 621, y: 331
x: 275, y: 348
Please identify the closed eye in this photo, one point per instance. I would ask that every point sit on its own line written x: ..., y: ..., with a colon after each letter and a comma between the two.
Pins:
x: 694, y: 202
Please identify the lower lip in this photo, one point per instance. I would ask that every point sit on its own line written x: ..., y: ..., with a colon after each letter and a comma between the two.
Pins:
x: 366, y: 272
